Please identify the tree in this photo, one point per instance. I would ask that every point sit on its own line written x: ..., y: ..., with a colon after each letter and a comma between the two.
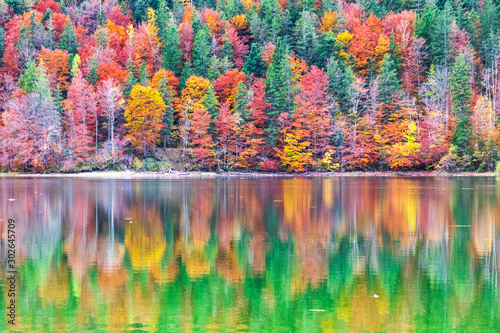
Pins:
x: 131, y: 79
x: 239, y: 48
x: 143, y: 74
x: 225, y: 131
x: 277, y: 91
x: 192, y: 98
x: 328, y: 22
x: 111, y: 101
x: 32, y: 128
x: 111, y: 70
x: 241, y: 100
x: 254, y: 149
x: 93, y: 75
x: 404, y: 155
x: 186, y: 40
x: 253, y: 63
x: 27, y: 80
x: 171, y: 50
x: 294, y: 155
x: 226, y: 86
x: 81, y: 117
x: 461, y: 101
x: 147, y: 45
x: 186, y: 74
x: 201, y: 139
x: 312, y: 118
x: 201, y: 51
x: 211, y: 103
x: 57, y: 64
x: 168, y: 96
x: 144, y: 117
x: 389, y: 81
x: 168, y: 77
x: 306, y: 38
x: 68, y: 40
x: 366, y: 39
x: 340, y: 78
x: 460, y: 89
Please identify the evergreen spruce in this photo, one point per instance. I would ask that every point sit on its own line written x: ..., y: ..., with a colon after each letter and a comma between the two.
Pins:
x: 461, y: 101
x: 93, y: 76
x: 201, y: 51
x: 340, y: 78
x: 143, y: 74
x: 186, y: 73
x: 167, y: 95
x: 253, y: 63
x: 389, y: 81
x: 241, y: 101
x: 68, y: 39
x: 210, y: 102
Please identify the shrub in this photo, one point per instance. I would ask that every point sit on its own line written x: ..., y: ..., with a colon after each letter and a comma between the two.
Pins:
x: 137, y: 164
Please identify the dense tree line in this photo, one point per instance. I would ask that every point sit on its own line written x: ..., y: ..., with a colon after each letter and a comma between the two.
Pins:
x: 250, y: 85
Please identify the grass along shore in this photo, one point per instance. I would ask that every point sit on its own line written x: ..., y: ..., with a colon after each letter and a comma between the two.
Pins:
x: 128, y: 174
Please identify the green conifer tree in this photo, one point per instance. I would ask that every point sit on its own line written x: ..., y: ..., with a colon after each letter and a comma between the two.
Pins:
x: 461, y: 103
x: 277, y: 91
x: 186, y: 73
x: 340, y: 78
x: 131, y: 80
x: 389, y: 81
x: 58, y: 101
x: 210, y: 102
x: 143, y: 74
x: 241, y: 101
x: 253, y: 63
x: 167, y: 95
x: 68, y: 39
x: 93, y: 76
x: 171, y: 51
x: 201, y: 51
x: 27, y: 80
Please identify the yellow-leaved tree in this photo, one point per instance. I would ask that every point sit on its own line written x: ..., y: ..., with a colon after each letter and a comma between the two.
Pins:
x: 404, y: 155
x: 193, y: 97
x: 295, y: 155
x: 144, y: 116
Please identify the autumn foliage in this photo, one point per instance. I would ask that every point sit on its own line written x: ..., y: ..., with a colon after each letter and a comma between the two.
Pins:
x: 251, y: 85
x: 143, y: 116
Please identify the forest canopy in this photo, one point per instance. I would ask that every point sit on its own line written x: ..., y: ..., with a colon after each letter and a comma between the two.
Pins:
x: 268, y: 85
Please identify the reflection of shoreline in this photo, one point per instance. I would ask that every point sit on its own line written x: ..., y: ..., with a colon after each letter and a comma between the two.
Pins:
x: 127, y: 174
x: 194, y: 254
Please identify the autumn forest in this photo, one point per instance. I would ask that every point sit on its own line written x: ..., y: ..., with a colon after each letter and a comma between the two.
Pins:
x: 249, y: 85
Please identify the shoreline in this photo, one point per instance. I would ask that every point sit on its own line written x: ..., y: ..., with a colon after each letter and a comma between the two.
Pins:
x: 205, y: 174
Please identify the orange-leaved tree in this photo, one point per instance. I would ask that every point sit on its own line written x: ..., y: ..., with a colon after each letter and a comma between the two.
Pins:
x: 144, y: 116
x: 57, y: 64
x: 225, y: 131
x: 312, y: 116
x: 148, y: 45
x: 328, y: 22
x: 201, y: 139
x: 253, y: 131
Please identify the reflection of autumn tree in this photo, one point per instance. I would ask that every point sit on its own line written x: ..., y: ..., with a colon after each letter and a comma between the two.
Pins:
x: 144, y: 237
x: 212, y: 254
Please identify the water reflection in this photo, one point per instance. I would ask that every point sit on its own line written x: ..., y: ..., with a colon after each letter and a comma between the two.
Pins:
x: 255, y: 254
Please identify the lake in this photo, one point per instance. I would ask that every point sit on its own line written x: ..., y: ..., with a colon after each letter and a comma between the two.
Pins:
x: 254, y: 254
